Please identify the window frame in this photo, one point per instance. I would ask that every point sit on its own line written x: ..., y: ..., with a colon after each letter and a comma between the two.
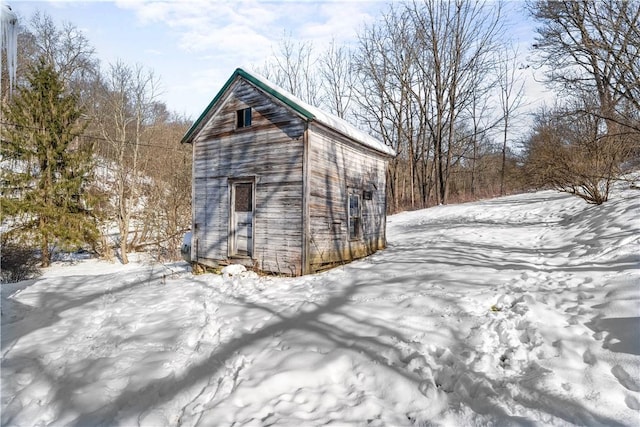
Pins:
x: 357, y: 218
x: 243, y: 118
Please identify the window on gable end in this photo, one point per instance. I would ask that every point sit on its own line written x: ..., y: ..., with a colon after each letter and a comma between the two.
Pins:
x: 243, y: 118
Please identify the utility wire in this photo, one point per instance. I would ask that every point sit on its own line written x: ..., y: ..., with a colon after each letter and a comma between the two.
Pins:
x: 97, y: 138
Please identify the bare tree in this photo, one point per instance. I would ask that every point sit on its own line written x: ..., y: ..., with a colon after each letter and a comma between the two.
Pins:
x: 385, y: 65
x: 480, y: 113
x: 591, y: 52
x: 592, y: 46
x: 292, y: 68
x: 460, y: 38
x: 625, y: 25
x: 422, y: 67
x: 126, y: 101
x: 511, y: 87
x: 337, y: 78
x: 167, y: 192
x: 65, y: 48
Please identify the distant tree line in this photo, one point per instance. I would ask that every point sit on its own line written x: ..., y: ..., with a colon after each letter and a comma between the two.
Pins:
x: 440, y: 82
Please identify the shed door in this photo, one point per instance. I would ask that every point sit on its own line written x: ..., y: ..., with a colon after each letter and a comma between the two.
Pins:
x: 242, y: 218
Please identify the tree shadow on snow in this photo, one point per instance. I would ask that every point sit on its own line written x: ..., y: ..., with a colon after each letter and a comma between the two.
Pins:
x: 623, y: 333
x: 61, y: 298
x: 165, y: 389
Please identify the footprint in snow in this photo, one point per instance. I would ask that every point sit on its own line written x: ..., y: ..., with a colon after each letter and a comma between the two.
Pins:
x: 589, y: 358
x: 626, y: 380
x: 632, y: 403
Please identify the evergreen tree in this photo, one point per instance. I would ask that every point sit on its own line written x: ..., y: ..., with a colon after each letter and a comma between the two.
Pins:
x: 46, y: 168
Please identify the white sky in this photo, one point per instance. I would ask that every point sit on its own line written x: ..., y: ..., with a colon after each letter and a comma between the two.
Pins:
x: 194, y: 46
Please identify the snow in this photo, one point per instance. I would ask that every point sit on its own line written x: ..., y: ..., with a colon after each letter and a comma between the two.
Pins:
x: 522, y: 310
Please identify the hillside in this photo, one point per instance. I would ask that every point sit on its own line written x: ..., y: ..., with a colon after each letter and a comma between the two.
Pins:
x: 522, y: 310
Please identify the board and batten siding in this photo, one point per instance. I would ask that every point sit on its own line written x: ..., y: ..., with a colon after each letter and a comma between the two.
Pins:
x: 337, y: 166
x: 270, y: 154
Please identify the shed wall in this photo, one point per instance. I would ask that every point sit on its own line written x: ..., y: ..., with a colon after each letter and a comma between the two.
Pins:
x: 338, y: 167
x: 269, y: 152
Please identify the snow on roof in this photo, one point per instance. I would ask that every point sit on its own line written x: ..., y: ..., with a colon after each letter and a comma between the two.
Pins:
x: 305, y: 110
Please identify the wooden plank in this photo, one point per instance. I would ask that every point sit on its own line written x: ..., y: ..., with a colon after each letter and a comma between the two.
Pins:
x: 340, y: 167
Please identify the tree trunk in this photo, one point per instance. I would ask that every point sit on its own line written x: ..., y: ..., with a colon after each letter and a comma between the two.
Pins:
x: 473, y: 164
x: 504, y: 154
x: 123, y: 226
x: 45, y: 257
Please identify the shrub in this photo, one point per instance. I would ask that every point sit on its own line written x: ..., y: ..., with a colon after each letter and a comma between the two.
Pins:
x: 18, y: 262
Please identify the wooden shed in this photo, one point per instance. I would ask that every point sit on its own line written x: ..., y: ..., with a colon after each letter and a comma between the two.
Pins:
x: 279, y: 185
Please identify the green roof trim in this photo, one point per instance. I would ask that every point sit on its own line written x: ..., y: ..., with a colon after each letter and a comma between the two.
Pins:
x: 278, y: 95
x: 256, y: 82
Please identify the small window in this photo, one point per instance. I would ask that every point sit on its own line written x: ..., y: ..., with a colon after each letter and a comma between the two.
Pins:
x: 243, y: 198
x: 243, y: 118
x: 355, y: 216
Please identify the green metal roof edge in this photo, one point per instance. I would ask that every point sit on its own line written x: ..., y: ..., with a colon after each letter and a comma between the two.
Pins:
x: 255, y: 81
x: 187, y: 136
x: 272, y: 91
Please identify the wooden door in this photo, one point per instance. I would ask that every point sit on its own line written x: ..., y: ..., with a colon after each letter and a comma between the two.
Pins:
x: 242, y: 218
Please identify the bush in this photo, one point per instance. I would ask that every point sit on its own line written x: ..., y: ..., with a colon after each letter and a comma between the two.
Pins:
x: 575, y: 153
x: 18, y: 262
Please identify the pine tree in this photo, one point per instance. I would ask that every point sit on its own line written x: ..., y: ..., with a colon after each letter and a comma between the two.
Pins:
x: 45, y: 167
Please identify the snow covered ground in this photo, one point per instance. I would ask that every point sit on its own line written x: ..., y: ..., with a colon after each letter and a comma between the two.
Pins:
x: 523, y: 310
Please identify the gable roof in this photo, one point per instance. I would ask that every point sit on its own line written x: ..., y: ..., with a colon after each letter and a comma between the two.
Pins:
x: 306, y: 111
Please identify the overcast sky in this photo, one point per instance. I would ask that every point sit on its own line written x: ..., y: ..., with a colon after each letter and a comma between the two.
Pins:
x: 194, y: 46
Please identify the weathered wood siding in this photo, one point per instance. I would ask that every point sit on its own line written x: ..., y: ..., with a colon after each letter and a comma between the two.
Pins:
x: 270, y: 151
x: 338, y: 166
